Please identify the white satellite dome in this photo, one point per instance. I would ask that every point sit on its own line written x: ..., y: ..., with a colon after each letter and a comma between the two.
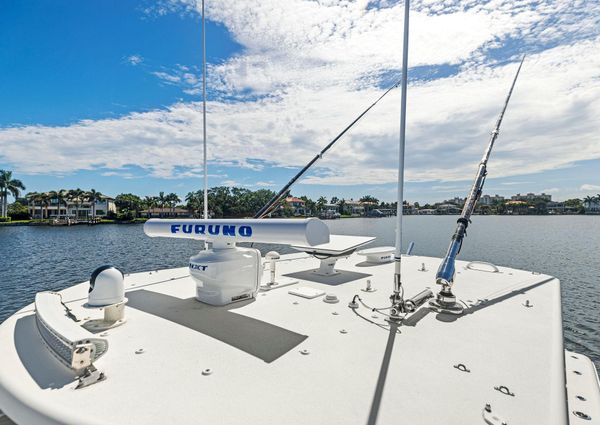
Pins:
x: 106, y: 287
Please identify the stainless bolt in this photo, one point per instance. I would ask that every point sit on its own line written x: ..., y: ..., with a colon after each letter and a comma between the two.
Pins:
x: 488, y: 407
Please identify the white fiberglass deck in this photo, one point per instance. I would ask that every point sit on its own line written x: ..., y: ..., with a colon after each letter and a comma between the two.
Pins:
x: 282, y: 359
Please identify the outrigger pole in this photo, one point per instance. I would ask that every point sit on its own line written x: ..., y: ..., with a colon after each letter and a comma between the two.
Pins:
x: 265, y: 210
x: 445, y: 300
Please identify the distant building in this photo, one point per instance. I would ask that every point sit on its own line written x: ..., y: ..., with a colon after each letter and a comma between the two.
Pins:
x: 490, y: 200
x: 593, y: 206
x: 298, y: 205
x: 531, y: 197
x: 456, y: 201
x: 355, y: 208
x: 426, y: 211
x: 70, y: 209
x: 560, y: 208
x: 165, y: 212
x: 447, y: 209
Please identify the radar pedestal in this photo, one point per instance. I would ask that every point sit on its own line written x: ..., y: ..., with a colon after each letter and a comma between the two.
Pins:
x: 226, y: 273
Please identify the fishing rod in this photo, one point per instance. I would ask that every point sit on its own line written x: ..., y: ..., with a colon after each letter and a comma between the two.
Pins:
x: 269, y: 206
x: 445, y: 300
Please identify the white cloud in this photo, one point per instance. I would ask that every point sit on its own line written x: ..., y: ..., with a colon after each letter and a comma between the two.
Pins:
x: 316, y: 65
x: 589, y: 187
x: 230, y: 183
x: 551, y: 190
x: 134, y: 59
x: 265, y: 184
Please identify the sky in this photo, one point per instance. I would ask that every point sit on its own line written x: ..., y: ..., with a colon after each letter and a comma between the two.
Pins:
x: 107, y: 95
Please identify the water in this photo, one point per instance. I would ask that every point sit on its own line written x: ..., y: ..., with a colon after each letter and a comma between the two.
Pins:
x: 33, y: 259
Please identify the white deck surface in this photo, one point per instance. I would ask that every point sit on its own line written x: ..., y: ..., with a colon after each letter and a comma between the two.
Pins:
x: 366, y: 375
x: 337, y: 245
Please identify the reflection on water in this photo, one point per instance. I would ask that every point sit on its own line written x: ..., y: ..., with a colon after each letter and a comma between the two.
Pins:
x: 47, y: 258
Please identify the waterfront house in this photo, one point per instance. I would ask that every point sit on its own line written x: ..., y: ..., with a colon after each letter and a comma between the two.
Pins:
x: 592, y: 206
x: 354, y: 208
x: 297, y: 205
x: 330, y: 211
x: 560, y: 208
x: 447, y: 209
x: 70, y: 208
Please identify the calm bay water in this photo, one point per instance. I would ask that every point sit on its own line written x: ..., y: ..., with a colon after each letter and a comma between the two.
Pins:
x: 33, y: 259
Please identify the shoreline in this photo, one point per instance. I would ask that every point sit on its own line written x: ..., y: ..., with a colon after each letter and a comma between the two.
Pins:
x: 45, y: 223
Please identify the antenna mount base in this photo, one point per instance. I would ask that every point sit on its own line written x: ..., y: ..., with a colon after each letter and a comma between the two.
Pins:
x: 445, y: 302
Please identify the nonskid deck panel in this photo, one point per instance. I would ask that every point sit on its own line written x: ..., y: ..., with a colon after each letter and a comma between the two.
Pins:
x: 282, y: 358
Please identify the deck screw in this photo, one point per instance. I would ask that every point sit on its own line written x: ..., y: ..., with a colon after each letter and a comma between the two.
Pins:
x: 335, y: 313
x: 207, y: 371
x: 139, y: 351
x: 343, y: 331
x: 304, y: 352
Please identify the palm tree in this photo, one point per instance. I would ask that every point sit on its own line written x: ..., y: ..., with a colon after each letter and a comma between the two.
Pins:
x: 61, y: 197
x: 53, y: 194
x: 161, y: 199
x: 321, y: 203
x: 44, y: 200
x: 32, y: 198
x: 149, y: 202
x: 172, y: 199
x: 589, y: 200
x: 8, y: 184
x: 76, y: 196
x: 192, y: 203
x: 93, y: 196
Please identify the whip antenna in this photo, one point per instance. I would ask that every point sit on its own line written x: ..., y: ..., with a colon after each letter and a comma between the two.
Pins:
x: 397, y: 297
x: 445, y: 300
x: 269, y: 206
x: 204, y: 113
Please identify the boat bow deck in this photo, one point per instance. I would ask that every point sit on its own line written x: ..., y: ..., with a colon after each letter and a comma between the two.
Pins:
x: 286, y: 359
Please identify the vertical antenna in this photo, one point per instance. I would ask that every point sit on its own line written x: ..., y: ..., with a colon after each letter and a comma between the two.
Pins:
x: 204, y: 113
x: 397, y: 297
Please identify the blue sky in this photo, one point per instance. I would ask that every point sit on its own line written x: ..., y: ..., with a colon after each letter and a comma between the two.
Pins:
x: 105, y: 95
